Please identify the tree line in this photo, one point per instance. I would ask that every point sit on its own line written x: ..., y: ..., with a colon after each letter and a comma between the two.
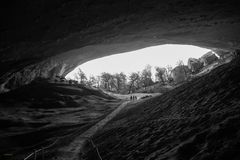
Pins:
x: 121, y: 83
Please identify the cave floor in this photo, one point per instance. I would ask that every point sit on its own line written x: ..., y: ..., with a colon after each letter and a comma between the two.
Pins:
x: 198, y: 120
x: 40, y: 114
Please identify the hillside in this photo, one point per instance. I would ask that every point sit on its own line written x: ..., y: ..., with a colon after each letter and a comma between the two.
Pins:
x: 198, y: 120
x: 42, y: 113
x: 156, y: 88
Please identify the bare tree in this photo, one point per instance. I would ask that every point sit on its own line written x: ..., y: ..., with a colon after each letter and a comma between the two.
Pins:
x: 113, y: 83
x: 180, y: 63
x: 146, y: 76
x: 98, y: 81
x: 92, y: 81
x: 80, y: 76
x: 120, y: 79
x: 105, y: 80
x: 168, y: 73
x: 160, y: 74
x: 134, y: 80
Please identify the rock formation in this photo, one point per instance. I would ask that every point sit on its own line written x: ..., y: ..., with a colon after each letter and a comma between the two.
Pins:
x: 45, y: 38
x: 224, y: 55
x: 180, y: 74
x: 194, y: 65
x: 36, y: 36
x: 208, y: 58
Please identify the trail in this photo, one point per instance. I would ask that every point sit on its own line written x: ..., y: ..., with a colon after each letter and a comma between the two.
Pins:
x: 72, y: 151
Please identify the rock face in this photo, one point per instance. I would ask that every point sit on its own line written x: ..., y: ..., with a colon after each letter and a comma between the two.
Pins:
x: 194, y: 65
x: 180, y: 74
x: 72, y: 32
x: 46, y: 69
x: 208, y: 58
x: 224, y: 55
x: 54, y: 109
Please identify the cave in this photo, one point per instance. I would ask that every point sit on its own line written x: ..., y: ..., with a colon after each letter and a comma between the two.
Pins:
x: 39, y: 39
x: 43, y: 39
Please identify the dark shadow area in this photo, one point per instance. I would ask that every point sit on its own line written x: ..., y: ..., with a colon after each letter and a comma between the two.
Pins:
x: 45, y: 113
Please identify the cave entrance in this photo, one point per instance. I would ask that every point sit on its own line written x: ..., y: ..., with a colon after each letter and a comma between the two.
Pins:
x: 156, y: 56
x: 154, y: 60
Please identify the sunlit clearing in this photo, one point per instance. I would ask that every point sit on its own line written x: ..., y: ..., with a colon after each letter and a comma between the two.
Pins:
x: 136, y: 60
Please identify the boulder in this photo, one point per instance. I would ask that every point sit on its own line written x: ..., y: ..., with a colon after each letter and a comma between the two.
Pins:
x: 195, y: 65
x: 224, y: 54
x: 180, y: 73
x: 208, y: 58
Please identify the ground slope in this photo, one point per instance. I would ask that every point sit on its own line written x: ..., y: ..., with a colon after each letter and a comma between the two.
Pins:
x: 41, y: 113
x: 199, y: 121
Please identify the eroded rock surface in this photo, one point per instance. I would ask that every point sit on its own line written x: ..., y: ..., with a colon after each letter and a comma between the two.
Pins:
x: 180, y: 73
x: 43, y: 113
x: 208, y: 58
x: 194, y: 65
x: 37, y: 36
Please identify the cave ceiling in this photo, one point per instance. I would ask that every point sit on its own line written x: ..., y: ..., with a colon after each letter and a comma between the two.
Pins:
x: 43, y: 38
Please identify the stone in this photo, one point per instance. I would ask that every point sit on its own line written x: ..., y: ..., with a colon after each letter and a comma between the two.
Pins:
x: 180, y: 74
x: 195, y: 65
x: 224, y: 55
x: 208, y: 58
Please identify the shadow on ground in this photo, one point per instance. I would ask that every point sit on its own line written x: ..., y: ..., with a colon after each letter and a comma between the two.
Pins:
x: 43, y: 113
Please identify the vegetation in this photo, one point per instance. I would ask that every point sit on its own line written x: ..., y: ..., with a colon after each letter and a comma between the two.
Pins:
x: 146, y: 77
x: 161, y: 74
x: 80, y: 76
x: 136, y: 81
x: 121, y: 83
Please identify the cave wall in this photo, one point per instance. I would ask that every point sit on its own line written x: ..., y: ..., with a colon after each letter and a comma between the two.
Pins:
x: 44, y: 38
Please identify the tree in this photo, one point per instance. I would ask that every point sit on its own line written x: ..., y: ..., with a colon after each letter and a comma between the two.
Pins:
x: 134, y: 80
x: 160, y: 74
x: 113, y: 83
x: 168, y: 73
x: 80, y: 76
x: 92, y: 81
x: 120, y: 79
x: 98, y: 81
x: 146, y: 76
x: 105, y: 80
x: 180, y: 63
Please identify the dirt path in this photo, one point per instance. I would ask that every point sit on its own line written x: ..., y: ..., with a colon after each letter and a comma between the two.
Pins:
x: 72, y: 151
x: 127, y: 96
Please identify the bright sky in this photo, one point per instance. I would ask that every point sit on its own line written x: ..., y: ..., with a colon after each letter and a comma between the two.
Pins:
x: 128, y: 62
